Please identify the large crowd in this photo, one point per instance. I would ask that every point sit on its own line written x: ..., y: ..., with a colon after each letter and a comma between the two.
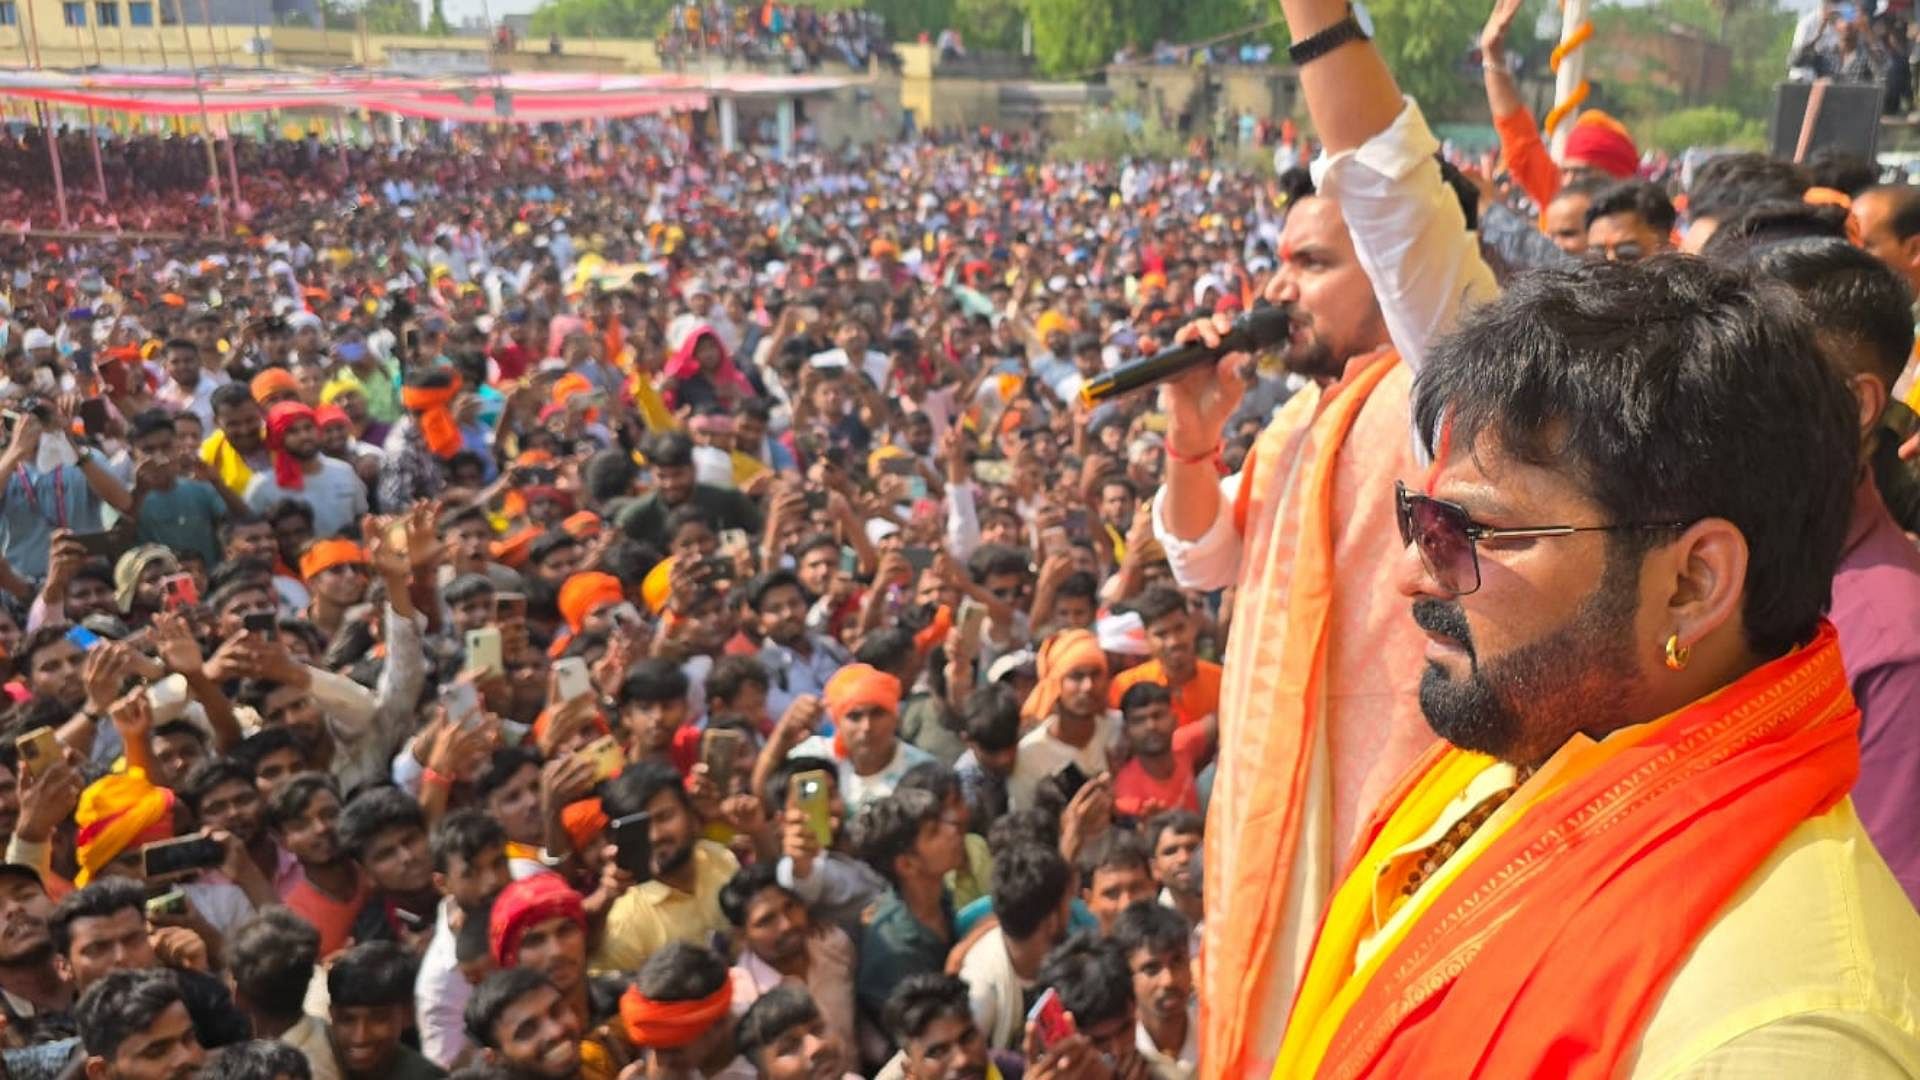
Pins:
x: 542, y: 604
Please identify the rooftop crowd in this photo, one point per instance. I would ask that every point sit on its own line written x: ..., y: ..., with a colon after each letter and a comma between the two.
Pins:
x: 536, y: 605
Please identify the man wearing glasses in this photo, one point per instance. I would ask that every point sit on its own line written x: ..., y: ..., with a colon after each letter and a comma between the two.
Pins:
x: 1317, y: 710
x: 1637, y: 857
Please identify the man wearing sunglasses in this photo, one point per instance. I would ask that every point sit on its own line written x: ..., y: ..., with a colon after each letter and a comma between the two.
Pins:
x: 1637, y: 857
x: 1317, y: 709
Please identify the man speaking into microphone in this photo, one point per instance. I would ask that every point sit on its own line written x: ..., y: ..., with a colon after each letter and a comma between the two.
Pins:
x: 1319, y: 709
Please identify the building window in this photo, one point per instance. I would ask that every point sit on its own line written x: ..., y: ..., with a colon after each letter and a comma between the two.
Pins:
x: 9, y: 15
x: 140, y: 13
x: 107, y: 12
x: 73, y: 14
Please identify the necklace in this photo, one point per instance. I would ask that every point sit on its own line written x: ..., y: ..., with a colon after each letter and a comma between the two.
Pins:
x: 1442, y: 849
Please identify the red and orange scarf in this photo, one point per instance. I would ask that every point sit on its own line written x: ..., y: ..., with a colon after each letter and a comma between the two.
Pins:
x: 1546, y: 953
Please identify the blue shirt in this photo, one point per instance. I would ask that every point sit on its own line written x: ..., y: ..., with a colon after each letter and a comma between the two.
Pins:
x: 36, y: 503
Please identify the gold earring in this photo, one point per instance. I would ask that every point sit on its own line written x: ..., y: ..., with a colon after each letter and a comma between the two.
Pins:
x: 1677, y: 654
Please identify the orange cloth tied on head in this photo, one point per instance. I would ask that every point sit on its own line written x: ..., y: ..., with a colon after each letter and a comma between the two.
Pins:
x: 1602, y: 142
x: 584, y: 525
x: 584, y: 593
x: 657, y: 587
x: 669, y: 1025
x: 860, y: 686
x: 430, y: 405
x: 116, y: 812
x: 326, y: 554
x: 286, y: 468
x: 571, y: 385
x: 1060, y: 654
x: 274, y: 381
x: 583, y: 822
x: 524, y: 903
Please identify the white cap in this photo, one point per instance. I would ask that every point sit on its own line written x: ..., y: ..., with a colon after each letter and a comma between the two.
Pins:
x: 1009, y: 664
x: 1123, y: 634
x: 879, y: 529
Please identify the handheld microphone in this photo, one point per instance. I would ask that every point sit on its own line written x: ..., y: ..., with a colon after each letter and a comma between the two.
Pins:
x: 1257, y: 329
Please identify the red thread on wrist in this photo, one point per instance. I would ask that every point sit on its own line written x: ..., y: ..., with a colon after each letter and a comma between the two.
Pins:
x: 1179, y: 458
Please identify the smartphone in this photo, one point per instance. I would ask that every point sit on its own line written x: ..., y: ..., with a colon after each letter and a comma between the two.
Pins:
x: 720, y: 750
x: 899, y: 466
x: 1077, y: 525
x: 180, y: 591
x: 607, y: 757
x: 264, y: 625
x: 38, y: 748
x: 1050, y: 1018
x: 179, y: 856
x: 509, y: 607
x: 917, y: 488
x: 396, y: 536
x: 574, y: 681
x: 534, y: 476
x: 849, y: 561
x: 918, y: 557
x: 83, y: 638
x: 171, y: 902
x: 717, y: 568
x: 816, y: 501
x: 1069, y: 779
x: 633, y: 840
x: 483, y: 651
x: 973, y: 618
x: 734, y: 540
x: 462, y: 702
x: 93, y: 416
x: 809, y: 793
x: 99, y: 545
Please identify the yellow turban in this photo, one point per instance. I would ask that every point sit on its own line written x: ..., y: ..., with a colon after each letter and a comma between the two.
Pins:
x: 658, y: 586
x: 116, y: 812
x: 344, y: 383
x: 1051, y: 321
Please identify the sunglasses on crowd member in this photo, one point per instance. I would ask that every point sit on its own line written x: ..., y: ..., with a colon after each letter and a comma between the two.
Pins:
x: 1449, y: 538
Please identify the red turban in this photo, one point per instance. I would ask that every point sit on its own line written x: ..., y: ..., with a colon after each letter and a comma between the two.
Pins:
x: 585, y: 593
x: 1600, y: 141
x: 286, y: 468
x: 524, y: 903
x: 669, y: 1025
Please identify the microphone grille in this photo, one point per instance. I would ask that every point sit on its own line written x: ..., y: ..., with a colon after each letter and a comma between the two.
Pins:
x: 1267, y: 326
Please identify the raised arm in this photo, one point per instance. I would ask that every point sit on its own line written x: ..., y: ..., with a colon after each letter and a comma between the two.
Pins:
x: 1527, y: 159
x: 1382, y: 166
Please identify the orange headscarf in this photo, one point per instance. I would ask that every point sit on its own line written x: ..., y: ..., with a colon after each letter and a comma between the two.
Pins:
x: 1060, y: 654
x: 513, y: 551
x: 325, y: 554
x: 116, y: 812
x: 584, y: 592
x: 859, y: 685
x: 583, y: 821
x: 668, y: 1025
x: 573, y: 384
x: 274, y: 381
x: 584, y: 525
x: 430, y: 405
x: 287, y: 471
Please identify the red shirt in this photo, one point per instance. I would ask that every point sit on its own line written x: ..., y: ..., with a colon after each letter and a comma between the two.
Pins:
x: 1137, y: 795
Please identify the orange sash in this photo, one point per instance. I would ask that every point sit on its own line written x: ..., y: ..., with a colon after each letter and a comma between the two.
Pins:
x: 1273, y: 714
x: 1546, y: 953
x: 437, y: 426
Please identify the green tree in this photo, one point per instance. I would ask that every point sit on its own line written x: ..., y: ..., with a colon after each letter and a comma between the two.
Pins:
x: 437, y: 23
x: 392, y: 16
x: 1425, y: 43
x: 1711, y: 125
x: 990, y: 24
x: 605, y: 18
x: 908, y: 19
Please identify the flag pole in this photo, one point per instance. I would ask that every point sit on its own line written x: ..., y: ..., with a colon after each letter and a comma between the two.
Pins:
x: 1569, y: 63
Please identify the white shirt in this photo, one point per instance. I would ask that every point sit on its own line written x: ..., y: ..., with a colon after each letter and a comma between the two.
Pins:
x: 1041, y: 754
x: 1412, y: 240
x: 859, y: 790
x: 440, y: 995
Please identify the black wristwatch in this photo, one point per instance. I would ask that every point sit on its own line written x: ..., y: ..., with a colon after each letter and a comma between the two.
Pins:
x: 1324, y: 42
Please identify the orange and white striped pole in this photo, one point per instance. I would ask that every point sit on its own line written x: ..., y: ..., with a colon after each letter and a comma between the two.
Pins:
x: 1569, y: 63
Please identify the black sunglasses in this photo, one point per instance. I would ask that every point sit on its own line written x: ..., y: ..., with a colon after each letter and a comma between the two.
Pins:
x: 1449, y: 538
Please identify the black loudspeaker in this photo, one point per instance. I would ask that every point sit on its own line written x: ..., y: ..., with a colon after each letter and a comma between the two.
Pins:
x: 1848, y: 118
